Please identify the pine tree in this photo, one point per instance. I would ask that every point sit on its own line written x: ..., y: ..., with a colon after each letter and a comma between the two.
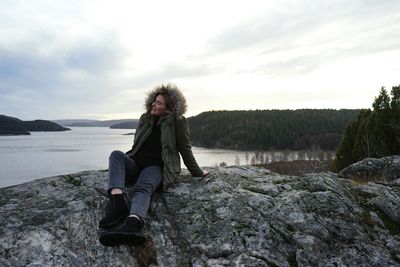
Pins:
x: 382, y: 102
x: 394, y: 123
x: 395, y: 102
x: 344, y: 155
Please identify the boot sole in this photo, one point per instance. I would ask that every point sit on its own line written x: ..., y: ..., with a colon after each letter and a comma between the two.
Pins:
x: 111, y: 239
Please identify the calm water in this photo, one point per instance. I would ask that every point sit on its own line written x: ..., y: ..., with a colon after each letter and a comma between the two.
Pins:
x: 43, y: 154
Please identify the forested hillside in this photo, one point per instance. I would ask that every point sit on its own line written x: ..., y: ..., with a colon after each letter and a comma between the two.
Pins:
x: 270, y: 129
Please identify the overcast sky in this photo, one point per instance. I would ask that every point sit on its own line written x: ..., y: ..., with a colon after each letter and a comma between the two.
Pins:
x: 97, y: 59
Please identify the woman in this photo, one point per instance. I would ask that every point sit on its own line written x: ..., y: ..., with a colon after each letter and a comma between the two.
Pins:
x: 153, y: 161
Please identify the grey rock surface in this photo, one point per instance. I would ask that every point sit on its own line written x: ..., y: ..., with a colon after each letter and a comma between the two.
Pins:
x: 237, y: 216
x: 374, y: 169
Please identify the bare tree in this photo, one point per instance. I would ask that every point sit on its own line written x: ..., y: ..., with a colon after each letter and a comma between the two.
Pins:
x: 320, y: 154
x: 261, y: 159
x: 253, y: 160
x: 285, y: 155
x: 267, y: 158
x: 301, y: 155
x: 237, y: 160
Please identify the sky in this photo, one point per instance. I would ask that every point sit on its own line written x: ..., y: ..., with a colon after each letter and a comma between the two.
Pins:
x: 94, y: 59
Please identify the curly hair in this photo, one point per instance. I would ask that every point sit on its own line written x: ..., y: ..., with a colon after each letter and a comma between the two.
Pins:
x: 174, y: 99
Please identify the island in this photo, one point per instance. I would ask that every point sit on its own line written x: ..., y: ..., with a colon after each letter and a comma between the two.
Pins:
x: 14, y: 126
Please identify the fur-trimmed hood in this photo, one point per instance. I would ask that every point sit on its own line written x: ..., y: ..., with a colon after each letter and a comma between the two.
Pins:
x: 179, y: 105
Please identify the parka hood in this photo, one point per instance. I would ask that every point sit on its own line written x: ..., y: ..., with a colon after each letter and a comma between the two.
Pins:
x: 179, y: 105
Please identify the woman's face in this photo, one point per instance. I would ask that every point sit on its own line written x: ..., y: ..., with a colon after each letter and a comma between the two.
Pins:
x: 158, y: 107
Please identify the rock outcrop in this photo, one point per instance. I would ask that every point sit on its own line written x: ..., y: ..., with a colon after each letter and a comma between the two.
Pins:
x: 374, y: 169
x: 237, y: 216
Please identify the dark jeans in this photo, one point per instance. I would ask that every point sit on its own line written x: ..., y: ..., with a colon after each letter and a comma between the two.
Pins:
x: 124, y: 170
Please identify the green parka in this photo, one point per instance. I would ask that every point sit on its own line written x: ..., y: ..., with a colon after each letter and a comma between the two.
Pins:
x: 175, y: 137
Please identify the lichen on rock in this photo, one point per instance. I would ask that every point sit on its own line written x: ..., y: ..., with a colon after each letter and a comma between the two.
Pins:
x: 374, y: 169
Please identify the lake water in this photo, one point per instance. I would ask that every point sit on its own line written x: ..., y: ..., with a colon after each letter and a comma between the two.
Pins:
x: 44, y: 154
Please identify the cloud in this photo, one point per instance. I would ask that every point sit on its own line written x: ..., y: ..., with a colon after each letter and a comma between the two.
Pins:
x: 27, y: 70
x: 171, y: 71
x: 80, y: 74
x: 95, y: 56
x: 275, y: 28
x: 304, y: 35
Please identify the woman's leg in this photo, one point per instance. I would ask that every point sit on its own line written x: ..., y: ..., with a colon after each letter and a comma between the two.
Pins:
x: 148, y: 181
x: 120, y: 168
x: 131, y: 232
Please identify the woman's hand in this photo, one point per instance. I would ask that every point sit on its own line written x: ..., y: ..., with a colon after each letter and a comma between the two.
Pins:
x: 205, y: 173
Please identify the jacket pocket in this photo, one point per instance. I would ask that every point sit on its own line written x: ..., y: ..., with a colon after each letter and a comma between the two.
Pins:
x: 174, y: 163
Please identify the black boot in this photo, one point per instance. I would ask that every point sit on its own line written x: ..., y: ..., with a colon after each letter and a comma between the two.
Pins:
x: 130, y: 233
x: 116, y: 212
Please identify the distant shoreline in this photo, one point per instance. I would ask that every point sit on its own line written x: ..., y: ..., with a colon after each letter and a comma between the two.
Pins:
x: 14, y: 133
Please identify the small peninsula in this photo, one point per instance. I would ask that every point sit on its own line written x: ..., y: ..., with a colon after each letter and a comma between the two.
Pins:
x: 14, y: 126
